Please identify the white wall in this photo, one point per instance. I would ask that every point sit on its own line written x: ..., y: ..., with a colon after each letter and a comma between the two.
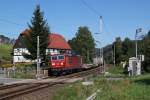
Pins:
x: 18, y: 55
x: 20, y: 59
x: 52, y: 51
x: 18, y: 52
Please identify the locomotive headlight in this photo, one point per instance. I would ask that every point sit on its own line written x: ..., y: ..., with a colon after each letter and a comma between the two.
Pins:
x: 61, y: 63
x: 53, y: 64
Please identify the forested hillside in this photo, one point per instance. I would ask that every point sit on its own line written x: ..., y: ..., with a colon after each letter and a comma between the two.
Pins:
x: 124, y: 49
x: 6, y: 40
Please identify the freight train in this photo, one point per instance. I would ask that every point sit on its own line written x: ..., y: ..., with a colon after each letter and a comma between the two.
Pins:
x: 64, y: 63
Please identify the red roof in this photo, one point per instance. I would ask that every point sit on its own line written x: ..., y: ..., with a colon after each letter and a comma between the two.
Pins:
x: 58, y: 42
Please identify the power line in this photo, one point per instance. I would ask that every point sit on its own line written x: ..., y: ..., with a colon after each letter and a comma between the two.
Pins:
x: 4, y: 33
x: 91, y: 8
x: 94, y: 11
x: 105, y: 27
x: 10, y: 22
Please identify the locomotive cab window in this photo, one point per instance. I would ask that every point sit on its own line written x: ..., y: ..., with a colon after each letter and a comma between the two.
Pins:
x: 49, y: 57
x: 54, y: 58
x: 61, y: 57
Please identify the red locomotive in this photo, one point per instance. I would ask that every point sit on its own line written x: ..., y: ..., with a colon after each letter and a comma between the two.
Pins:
x: 60, y: 63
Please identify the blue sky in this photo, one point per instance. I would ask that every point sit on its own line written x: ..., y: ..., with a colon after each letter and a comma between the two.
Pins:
x: 121, y: 17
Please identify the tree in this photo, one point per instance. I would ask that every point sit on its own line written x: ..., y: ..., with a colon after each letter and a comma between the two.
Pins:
x: 118, y: 50
x: 146, y: 50
x: 73, y: 44
x: 38, y: 27
x: 108, y: 53
x: 83, y: 44
x: 128, y: 48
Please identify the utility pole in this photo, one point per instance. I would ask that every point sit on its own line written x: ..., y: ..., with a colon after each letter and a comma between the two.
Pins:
x: 136, y: 44
x: 114, y: 56
x: 136, y: 41
x: 38, y: 60
x: 103, y: 64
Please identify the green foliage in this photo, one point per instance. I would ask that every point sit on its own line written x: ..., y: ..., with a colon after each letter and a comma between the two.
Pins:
x: 146, y: 50
x: 23, y: 75
x: 83, y: 44
x: 5, y: 52
x: 74, y: 92
x: 24, y: 71
x: 38, y: 27
x: 136, y: 88
x: 123, y: 49
x: 118, y: 50
x: 125, y: 89
x: 127, y: 49
x: 115, y: 70
x: 108, y: 52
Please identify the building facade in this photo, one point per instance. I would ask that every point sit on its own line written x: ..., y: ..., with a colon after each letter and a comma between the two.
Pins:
x: 57, y: 45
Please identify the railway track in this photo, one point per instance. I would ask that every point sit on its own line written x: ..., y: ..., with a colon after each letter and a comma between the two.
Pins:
x: 14, y: 90
x: 83, y: 73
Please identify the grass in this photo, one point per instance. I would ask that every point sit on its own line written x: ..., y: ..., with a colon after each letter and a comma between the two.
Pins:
x: 126, y: 89
x: 136, y: 88
x: 25, y: 71
x: 24, y: 75
x: 116, y: 71
x: 73, y: 92
x: 5, y: 51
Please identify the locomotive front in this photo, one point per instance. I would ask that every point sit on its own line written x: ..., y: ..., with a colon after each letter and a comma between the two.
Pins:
x: 57, y: 61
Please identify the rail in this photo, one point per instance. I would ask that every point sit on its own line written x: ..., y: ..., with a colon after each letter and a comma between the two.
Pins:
x: 14, y: 90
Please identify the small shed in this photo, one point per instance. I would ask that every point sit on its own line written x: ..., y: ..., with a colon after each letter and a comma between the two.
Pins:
x: 134, y: 66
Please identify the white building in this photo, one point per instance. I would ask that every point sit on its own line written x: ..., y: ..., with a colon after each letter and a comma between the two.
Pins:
x: 134, y: 66
x: 57, y: 45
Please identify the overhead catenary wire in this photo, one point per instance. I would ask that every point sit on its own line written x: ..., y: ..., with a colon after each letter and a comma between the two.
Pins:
x: 2, y: 20
x: 91, y: 8
x: 10, y: 22
x: 101, y: 22
x: 4, y: 33
x: 95, y: 12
